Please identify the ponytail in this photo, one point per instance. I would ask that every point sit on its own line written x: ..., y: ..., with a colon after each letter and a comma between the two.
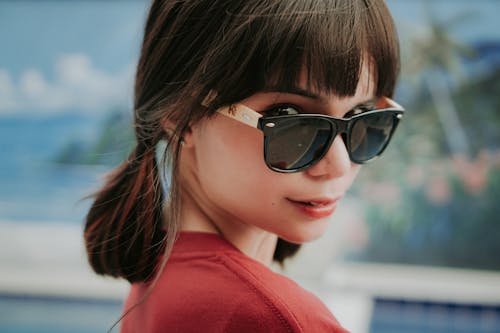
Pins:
x: 124, y: 236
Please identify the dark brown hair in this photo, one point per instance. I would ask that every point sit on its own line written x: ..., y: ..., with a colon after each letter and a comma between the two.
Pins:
x: 235, y: 48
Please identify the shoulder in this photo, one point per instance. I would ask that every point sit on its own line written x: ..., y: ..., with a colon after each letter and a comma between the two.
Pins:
x: 223, y: 290
x: 294, y: 307
x: 229, y: 292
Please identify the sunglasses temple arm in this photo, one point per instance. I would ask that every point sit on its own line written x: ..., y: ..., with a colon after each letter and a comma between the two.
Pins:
x: 393, y: 104
x: 242, y: 114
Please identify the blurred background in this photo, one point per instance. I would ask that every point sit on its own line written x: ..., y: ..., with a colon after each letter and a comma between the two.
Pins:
x: 415, y: 247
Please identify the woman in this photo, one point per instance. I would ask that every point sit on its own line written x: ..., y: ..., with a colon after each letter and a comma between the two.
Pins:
x: 268, y: 109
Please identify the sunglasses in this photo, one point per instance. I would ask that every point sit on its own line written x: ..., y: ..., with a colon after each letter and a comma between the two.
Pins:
x: 295, y: 142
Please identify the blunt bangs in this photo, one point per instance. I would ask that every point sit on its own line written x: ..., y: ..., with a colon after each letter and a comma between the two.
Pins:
x: 329, y: 41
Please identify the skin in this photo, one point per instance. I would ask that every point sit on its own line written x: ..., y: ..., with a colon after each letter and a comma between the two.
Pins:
x: 227, y: 188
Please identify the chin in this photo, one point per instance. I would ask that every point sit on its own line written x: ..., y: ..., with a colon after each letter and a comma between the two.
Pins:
x: 305, y: 235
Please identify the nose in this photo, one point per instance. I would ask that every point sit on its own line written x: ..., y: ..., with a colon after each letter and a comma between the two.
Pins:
x: 334, y: 164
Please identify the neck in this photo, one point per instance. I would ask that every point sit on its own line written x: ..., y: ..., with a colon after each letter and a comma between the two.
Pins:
x: 259, y: 245
x: 250, y: 240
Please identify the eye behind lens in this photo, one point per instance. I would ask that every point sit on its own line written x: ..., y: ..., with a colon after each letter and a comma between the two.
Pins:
x: 297, y: 142
x: 370, y: 135
x: 281, y: 110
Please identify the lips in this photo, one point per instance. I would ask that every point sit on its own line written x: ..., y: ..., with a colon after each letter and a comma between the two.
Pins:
x: 315, y: 208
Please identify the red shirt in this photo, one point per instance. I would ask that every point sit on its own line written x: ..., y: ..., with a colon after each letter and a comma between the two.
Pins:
x: 208, y: 285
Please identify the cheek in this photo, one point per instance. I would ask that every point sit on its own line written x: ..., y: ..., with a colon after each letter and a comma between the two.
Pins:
x: 229, y: 149
x: 355, y: 168
x: 230, y: 162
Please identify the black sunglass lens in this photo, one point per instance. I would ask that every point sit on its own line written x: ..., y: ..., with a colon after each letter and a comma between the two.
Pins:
x: 370, y: 135
x: 296, y: 142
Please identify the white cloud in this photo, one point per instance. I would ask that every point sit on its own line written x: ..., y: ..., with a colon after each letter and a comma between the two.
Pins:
x: 33, y: 84
x: 77, y: 84
x: 7, y: 91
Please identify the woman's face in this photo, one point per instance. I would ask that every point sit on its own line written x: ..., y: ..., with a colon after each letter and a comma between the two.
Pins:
x: 226, y: 180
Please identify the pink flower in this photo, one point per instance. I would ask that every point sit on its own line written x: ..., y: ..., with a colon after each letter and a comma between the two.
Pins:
x: 473, y: 173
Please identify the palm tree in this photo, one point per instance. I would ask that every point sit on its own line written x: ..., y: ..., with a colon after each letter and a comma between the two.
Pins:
x: 434, y: 59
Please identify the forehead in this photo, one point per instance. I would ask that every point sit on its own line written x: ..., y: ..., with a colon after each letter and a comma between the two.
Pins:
x: 321, y: 51
x: 366, y: 85
x: 304, y: 93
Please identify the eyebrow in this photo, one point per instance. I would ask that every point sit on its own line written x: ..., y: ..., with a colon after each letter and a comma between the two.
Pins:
x: 311, y: 95
x: 294, y: 91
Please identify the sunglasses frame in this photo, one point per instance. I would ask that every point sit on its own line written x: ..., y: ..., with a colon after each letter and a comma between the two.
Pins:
x: 252, y: 118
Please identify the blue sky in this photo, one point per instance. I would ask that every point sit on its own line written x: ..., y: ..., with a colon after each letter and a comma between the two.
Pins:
x: 66, y: 55
x: 35, y: 33
x: 482, y: 24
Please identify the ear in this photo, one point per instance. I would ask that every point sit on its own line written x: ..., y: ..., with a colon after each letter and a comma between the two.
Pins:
x: 169, y: 127
x: 187, y: 138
